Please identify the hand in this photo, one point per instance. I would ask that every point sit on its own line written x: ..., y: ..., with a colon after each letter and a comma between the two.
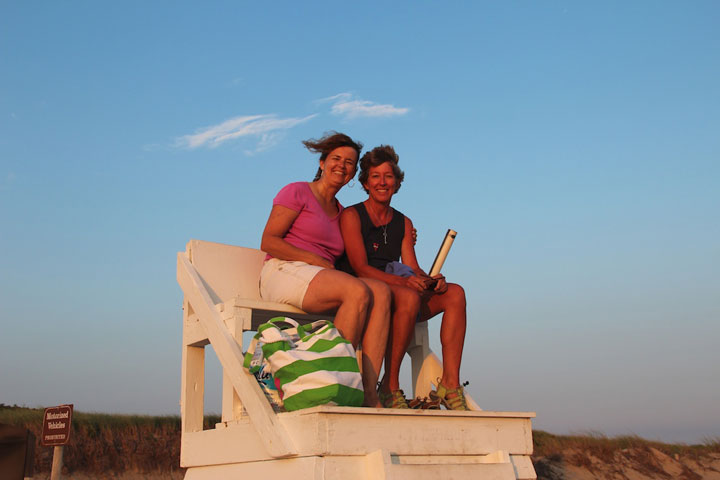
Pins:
x: 414, y: 236
x: 416, y: 283
x: 441, y: 286
x: 319, y: 261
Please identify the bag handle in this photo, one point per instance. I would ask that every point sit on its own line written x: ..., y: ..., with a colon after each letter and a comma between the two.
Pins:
x: 277, y: 320
x: 313, y: 327
x: 274, y: 324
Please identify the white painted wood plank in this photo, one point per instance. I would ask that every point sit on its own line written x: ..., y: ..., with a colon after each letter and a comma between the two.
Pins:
x: 493, y: 471
x: 386, y: 411
x: 239, y: 441
x: 524, y: 469
x: 418, y: 350
x: 348, y: 468
x: 327, y: 434
x: 496, y: 457
x: 274, y: 437
x: 348, y: 435
x: 228, y: 270
x: 303, y: 468
x: 192, y: 382
x: 194, y: 333
x: 257, y: 304
x: 500, y: 456
x: 231, y: 404
x: 378, y: 465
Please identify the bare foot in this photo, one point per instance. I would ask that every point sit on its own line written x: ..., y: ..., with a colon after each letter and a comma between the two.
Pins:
x: 372, y: 401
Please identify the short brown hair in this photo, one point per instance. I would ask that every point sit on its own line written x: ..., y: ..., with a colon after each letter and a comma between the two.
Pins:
x: 376, y: 157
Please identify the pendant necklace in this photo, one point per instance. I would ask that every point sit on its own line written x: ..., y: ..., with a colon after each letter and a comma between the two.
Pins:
x: 384, y: 227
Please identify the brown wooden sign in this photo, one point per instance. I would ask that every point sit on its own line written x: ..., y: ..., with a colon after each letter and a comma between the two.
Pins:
x: 56, y: 425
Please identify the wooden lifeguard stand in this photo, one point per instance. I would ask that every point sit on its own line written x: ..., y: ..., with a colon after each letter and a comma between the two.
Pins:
x: 222, y: 300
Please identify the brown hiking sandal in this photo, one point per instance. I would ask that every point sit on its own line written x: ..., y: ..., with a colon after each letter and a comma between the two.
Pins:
x: 424, y: 403
x: 452, y: 399
x: 393, y: 399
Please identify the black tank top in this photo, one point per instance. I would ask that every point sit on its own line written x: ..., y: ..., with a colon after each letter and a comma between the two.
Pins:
x: 378, y: 252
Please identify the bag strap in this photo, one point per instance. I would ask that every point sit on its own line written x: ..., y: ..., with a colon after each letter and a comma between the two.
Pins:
x: 274, y: 324
x: 278, y: 321
x: 312, y: 328
x: 250, y: 353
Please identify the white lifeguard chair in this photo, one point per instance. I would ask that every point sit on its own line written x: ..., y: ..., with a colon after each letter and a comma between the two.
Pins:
x: 221, y: 301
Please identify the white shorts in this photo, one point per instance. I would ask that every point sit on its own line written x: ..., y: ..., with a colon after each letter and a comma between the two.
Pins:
x: 284, y: 281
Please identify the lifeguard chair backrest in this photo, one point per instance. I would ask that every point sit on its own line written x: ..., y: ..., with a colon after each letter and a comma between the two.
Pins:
x: 227, y: 270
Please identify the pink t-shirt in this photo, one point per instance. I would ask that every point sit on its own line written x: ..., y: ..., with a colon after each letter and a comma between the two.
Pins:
x: 312, y: 230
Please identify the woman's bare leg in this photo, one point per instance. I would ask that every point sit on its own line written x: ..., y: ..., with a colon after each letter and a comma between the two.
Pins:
x: 452, y: 329
x: 363, y: 313
x: 333, y: 290
x: 405, y: 308
x: 374, y: 339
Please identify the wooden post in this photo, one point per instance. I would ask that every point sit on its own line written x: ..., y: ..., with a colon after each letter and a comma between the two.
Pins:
x: 57, y: 464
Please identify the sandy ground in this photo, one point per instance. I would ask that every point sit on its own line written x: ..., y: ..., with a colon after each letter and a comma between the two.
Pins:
x: 631, y: 465
x: 116, y: 476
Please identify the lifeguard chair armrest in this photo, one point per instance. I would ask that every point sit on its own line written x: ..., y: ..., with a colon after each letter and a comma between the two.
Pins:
x: 263, y: 311
x: 249, y: 314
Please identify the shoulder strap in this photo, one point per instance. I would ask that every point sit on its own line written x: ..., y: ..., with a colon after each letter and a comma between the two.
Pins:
x: 365, y: 221
x: 398, y: 223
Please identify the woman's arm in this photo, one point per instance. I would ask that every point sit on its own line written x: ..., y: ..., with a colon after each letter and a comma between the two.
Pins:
x: 407, y: 254
x: 355, y: 250
x: 407, y: 251
x: 279, y: 222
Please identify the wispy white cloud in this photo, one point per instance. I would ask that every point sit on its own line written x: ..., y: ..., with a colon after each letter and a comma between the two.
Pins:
x: 245, y: 126
x: 267, y: 129
x: 348, y: 106
x: 267, y: 141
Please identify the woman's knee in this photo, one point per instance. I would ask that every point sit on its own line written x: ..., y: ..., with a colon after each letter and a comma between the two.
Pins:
x: 380, y: 293
x: 456, y: 295
x: 357, y: 292
x: 406, y: 300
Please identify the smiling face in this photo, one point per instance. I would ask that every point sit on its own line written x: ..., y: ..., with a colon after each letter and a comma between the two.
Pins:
x: 340, y: 165
x: 381, y: 183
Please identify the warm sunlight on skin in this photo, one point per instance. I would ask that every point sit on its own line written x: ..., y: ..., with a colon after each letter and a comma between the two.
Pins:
x: 340, y: 165
x: 381, y: 183
x: 572, y: 145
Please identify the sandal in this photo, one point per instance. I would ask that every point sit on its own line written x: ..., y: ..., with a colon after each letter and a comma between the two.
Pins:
x: 452, y: 399
x: 393, y: 399
x: 424, y: 403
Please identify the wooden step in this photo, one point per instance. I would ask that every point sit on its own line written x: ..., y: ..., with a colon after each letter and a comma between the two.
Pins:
x: 333, y: 431
x: 378, y: 465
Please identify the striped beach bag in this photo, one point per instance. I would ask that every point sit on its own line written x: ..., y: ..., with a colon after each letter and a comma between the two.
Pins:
x: 310, y: 364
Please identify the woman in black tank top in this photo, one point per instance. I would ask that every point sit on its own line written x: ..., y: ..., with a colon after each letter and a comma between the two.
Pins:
x: 376, y: 237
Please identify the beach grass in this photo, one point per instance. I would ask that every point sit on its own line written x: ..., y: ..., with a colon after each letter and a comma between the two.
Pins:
x: 102, y: 442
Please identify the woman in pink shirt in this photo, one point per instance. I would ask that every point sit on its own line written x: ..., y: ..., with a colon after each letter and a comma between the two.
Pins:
x: 303, y: 241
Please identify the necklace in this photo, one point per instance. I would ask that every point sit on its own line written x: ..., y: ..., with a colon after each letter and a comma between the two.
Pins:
x: 384, y: 227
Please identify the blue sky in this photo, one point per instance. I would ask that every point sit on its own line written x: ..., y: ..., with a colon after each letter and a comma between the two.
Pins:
x: 574, y: 146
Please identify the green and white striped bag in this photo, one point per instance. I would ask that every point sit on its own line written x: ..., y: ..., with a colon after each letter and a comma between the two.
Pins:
x: 311, y: 364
